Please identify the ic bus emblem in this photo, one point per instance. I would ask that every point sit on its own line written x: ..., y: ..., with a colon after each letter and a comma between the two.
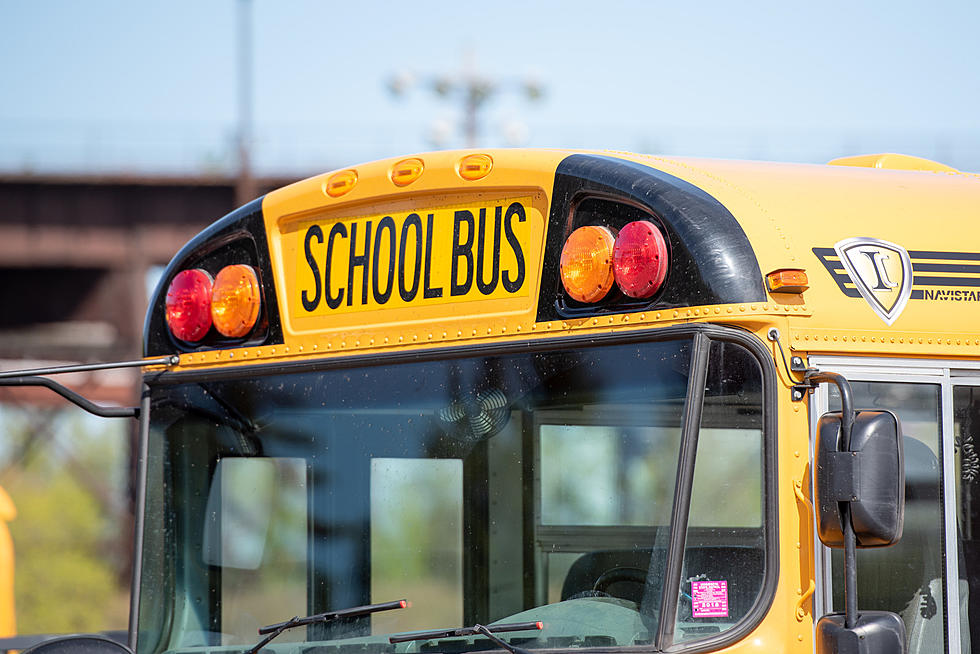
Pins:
x: 881, y: 271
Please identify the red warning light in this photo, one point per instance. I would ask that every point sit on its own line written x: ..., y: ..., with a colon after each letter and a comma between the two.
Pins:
x: 189, y: 305
x: 640, y: 259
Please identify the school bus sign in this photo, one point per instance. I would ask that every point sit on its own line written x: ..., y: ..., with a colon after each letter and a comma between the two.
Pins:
x: 379, y: 262
x: 414, y: 259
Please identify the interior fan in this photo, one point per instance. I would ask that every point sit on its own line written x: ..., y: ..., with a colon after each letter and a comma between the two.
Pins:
x: 478, y: 416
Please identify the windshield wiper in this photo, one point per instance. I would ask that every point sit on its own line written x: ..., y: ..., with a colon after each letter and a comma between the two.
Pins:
x: 275, y: 629
x: 472, y: 631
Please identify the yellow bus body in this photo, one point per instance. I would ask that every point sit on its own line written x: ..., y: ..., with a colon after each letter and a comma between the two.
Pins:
x: 793, y: 216
x: 786, y: 210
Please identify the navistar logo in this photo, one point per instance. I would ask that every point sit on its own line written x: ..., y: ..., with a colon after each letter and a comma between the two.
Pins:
x: 887, y: 276
x: 881, y: 271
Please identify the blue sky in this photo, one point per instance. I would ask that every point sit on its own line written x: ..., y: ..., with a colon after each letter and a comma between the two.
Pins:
x: 147, y: 87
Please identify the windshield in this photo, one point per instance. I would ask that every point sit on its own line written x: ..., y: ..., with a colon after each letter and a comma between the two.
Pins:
x: 537, y: 486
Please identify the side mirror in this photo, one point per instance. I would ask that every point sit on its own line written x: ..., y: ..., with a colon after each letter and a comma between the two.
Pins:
x: 860, y: 502
x: 869, y: 475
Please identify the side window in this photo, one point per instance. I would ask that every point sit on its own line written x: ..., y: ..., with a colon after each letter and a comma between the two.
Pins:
x: 724, y: 554
x: 906, y: 578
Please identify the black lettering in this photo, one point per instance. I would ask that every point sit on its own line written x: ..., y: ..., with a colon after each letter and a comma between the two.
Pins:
x: 429, y: 292
x: 386, y: 223
x: 408, y: 294
x: 513, y: 285
x: 361, y: 260
x: 928, y: 295
x: 310, y: 304
x: 338, y: 229
x: 462, y: 250
x: 487, y: 287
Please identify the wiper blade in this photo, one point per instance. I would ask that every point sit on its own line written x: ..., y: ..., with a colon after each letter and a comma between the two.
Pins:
x: 275, y: 629
x: 472, y: 631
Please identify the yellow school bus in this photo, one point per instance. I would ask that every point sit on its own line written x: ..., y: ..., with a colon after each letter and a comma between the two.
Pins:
x: 561, y: 401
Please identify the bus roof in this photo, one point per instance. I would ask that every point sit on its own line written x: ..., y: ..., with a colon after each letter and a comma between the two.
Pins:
x: 892, y: 257
x: 890, y: 254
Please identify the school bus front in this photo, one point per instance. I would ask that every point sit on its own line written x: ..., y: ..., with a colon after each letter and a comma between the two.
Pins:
x: 554, y: 401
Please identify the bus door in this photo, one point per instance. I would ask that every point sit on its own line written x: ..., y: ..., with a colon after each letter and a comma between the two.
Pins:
x: 965, y: 421
x: 927, y: 576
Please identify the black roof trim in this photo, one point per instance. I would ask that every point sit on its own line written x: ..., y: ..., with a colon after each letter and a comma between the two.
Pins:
x: 238, y: 237
x: 712, y: 261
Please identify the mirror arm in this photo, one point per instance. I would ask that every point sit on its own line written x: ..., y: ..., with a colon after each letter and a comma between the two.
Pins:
x: 850, y: 542
x: 73, y: 397
x: 814, y: 377
x: 33, y: 377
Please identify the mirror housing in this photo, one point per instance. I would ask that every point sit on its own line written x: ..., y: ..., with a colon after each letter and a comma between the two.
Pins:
x: 870, y: 476
x: 876, y: 632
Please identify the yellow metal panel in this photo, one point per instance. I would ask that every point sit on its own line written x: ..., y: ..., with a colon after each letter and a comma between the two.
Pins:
x: 891, y: 160
x: 414, y: 266
x: 435, y: 202
x: 792, y: 213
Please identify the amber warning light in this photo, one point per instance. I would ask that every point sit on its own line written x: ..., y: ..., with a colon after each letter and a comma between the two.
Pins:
x: 786, y: 280
x: 231, y: 302
x: 594, y: 257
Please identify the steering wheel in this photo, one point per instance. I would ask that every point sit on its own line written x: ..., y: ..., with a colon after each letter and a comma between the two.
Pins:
x: 616, y: 575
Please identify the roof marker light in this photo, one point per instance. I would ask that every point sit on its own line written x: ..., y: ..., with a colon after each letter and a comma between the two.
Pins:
x: 787, y: 280
x: 586, y: 263
x: 188, y: 305
x: 235, y: 300
x: 340, y: 183
x: 474, y: 166
x: 640, y: 259
x: 406, y: 171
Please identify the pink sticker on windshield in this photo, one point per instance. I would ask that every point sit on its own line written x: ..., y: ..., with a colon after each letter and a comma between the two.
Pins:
x: 709, y: 599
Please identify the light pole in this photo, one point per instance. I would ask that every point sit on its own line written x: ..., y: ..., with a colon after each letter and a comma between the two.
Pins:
x: 469, y: 88
x: 245, y: 183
